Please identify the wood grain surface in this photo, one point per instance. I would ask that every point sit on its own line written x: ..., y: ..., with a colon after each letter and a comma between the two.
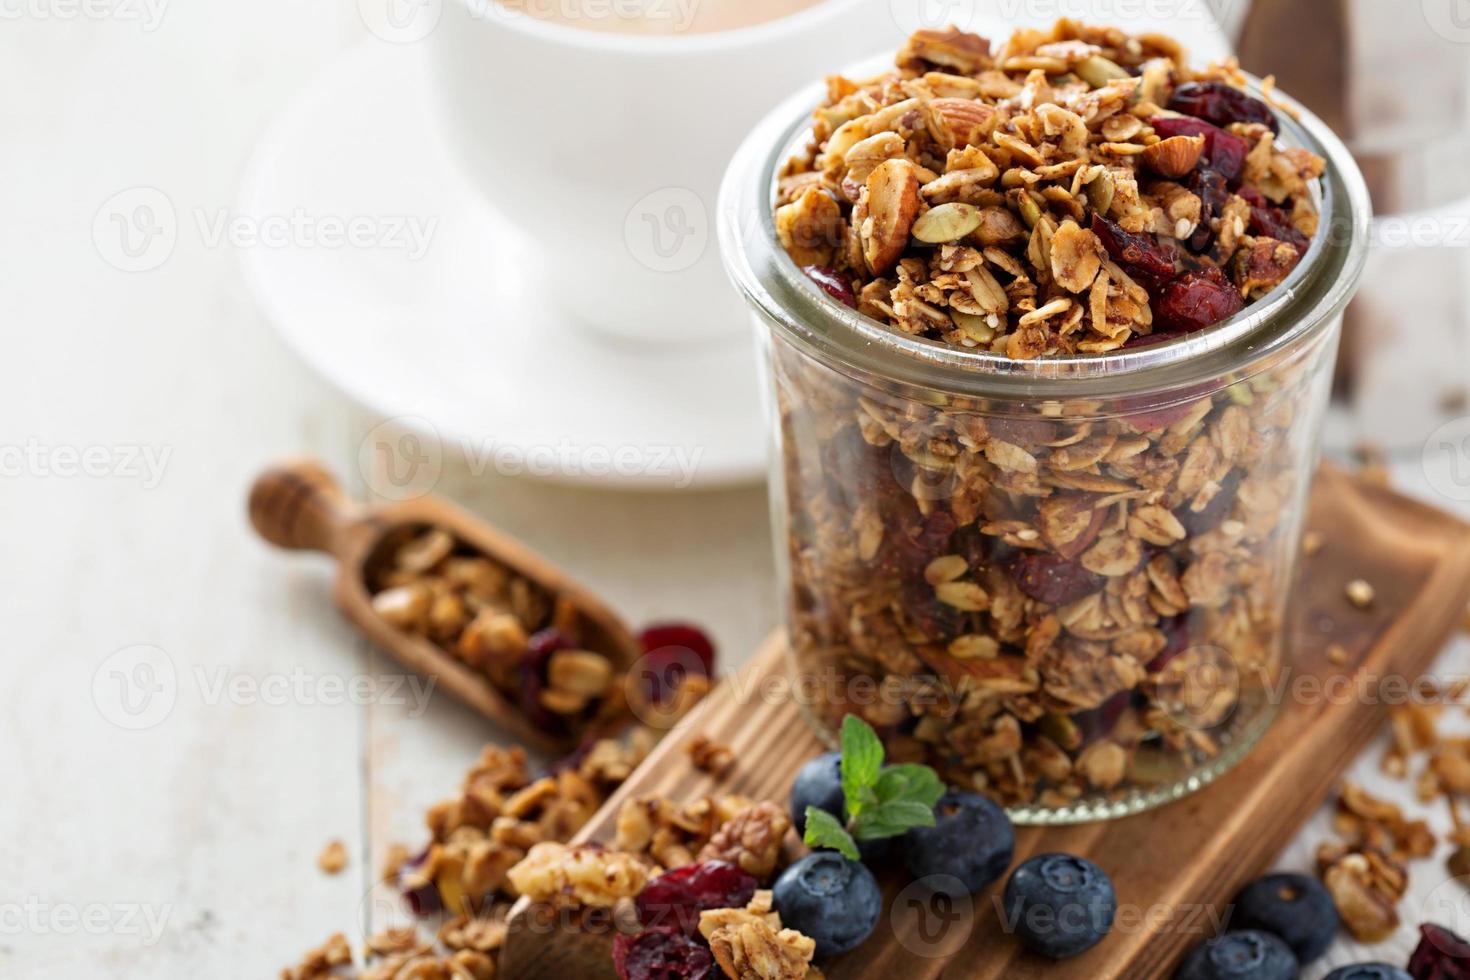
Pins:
x: 1175, y: 868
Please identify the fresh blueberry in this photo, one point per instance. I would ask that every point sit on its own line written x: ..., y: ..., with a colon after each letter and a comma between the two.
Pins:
x: 1060, y: 905
x: 1368, y: 971
x: 1245, y: 955
x: 829, y: 898
x: 971, y: 842
x: 819, y: 784
x: 1295, y: 907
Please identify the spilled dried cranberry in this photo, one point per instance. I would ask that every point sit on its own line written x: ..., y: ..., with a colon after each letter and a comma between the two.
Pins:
x: 661, y: 954
x: 421, y: 893
x: 1196, y: 299
x: 1221, y: 104
x: 1440, y: 955
x: 833, y: 283
x: 1053, y: 579
x: 675, y: 898
x: 1141, y: 256
x: 539, y: 649
x: 1225, y: 152
x: 670, y: 651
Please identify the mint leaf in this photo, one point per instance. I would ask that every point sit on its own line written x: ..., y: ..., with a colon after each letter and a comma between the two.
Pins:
x: 823, y: 830
x: 862, y: 760
x: 892, y: 819
x: 908, y: 781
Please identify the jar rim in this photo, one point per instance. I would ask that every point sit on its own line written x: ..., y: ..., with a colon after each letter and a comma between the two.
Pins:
x: 1304, y: 304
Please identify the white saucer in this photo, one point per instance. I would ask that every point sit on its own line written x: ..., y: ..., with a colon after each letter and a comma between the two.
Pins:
x: 455, y: 343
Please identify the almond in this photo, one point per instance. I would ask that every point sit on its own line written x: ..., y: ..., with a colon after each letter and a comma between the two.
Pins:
x: 959, y: 122
x: 1175, y: 156
x: 893, y: 206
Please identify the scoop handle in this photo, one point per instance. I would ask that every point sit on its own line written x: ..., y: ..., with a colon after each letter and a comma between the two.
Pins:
x: 297, y: 504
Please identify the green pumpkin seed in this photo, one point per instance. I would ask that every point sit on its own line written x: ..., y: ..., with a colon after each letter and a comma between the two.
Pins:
x: 1100, y: 192
x: 946, y: 223
x: 1097, y: 71
x: 974, y: 326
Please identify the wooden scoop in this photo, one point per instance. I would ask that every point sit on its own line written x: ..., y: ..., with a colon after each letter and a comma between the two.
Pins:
x: 298, y: 505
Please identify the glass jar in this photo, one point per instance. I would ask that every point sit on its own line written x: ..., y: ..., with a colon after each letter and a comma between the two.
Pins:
x: 1062, y: 582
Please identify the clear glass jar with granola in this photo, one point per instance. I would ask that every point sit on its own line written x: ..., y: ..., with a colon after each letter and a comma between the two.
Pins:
x: 1049, y: 327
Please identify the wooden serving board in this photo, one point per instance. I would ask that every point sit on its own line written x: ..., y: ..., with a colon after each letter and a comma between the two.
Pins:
x: 1176, y: 867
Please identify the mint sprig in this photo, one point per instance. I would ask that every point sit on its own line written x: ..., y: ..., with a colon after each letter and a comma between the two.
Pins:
x: 879, y: 801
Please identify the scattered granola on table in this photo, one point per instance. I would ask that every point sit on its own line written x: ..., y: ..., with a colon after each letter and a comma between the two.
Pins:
x: 1059, y: 602
x: 333, y: 857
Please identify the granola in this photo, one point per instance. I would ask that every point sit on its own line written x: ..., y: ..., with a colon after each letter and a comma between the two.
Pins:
x: 581, y: 876
x: 750, y: 944
x: 731, y: 828
x: 426, y: 582
x: 1059, y: 195
x: 1060, y: 601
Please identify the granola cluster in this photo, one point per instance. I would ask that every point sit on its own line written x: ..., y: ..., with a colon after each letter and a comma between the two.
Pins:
x: 750, y: 943
x: 1060, y: 602
x: 498, y: 622
x: 1073, y: 190
x: 502, y: 814
x: 735, y: 829
x: 397, y: 954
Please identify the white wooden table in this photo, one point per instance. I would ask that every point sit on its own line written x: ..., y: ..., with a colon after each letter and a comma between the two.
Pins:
x: 177, y: 740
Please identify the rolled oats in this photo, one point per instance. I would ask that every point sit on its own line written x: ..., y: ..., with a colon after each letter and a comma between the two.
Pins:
x: 581, y: 876
x: 1095, y: 588
x: 333, y: 857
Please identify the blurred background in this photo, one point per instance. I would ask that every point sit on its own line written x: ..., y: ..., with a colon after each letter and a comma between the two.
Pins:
x: 353, y: 229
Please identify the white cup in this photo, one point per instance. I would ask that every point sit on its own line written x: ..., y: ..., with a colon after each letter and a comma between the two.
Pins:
x: 606, y: 149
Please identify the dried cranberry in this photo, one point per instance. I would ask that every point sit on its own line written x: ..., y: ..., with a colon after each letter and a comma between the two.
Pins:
x: 685, y: 636
x: 539, y: 649
x: 675, y: 898
x: 1221, y: 104
x: 1176, y: 641
x: 1196, y: 299
x: 833, y: 283
x: 420, y: 892
x: 661, y: 954
x: 1225, y: 152
x: 670, y: 652
x: 1210, y: 188
x: 1269, y: 221
x: 1141, y: 256
x: 1214, y: 512
x: 1440, y: 955
x: 1093, y: 725
x: 1053, y: 579
x: 1025, y: 430
x: 937, y: 620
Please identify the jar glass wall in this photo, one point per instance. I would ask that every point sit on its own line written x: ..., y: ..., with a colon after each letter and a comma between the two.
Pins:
x: 1062, y: 582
